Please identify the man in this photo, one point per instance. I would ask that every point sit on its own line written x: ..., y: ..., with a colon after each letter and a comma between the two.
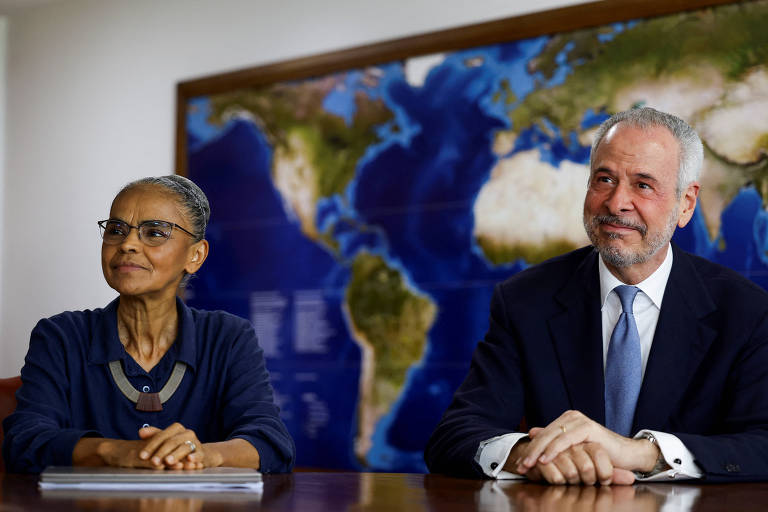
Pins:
x: 667, y: 350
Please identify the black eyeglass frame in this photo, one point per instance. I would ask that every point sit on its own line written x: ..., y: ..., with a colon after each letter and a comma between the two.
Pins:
x: 103, y: 227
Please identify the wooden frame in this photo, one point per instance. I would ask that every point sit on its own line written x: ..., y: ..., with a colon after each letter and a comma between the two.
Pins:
x: 563, y: 19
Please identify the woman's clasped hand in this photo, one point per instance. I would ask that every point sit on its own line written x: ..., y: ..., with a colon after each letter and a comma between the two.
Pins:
x: 175, y: 447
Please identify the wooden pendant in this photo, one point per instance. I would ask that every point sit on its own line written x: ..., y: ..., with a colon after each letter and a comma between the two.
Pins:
x: 149, y: 402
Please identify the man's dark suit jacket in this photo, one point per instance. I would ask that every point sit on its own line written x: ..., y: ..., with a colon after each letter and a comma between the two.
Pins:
x: 706, y: 380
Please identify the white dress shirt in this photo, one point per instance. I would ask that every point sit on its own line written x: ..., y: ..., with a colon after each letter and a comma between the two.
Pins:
x: 492, y: 453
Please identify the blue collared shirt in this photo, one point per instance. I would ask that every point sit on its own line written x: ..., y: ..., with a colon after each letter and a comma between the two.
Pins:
x: 68, y: 392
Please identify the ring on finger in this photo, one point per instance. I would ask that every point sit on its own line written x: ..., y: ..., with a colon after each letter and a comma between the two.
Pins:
x: 191, y: 445
x: 562, y: 427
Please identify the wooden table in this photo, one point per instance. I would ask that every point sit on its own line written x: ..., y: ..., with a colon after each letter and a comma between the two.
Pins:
x: 368, y: 492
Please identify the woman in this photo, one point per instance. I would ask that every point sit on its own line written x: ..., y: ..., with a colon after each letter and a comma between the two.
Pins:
x: 147, y: 382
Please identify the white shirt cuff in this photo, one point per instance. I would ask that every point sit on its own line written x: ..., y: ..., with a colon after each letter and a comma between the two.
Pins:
x: 679, y: 459
x: 492, y: 455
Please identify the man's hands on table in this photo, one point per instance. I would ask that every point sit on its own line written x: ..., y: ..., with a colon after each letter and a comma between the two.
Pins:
x: 574, y: 449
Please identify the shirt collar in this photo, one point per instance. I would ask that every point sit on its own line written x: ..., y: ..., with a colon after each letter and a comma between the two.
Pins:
x: 653, y: 286
x: 106, y: 346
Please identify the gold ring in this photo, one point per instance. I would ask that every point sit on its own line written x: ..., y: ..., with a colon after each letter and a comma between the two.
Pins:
x: 562, y: 427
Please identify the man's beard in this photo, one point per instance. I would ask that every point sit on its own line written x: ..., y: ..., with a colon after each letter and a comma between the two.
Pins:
x: 619, y: 258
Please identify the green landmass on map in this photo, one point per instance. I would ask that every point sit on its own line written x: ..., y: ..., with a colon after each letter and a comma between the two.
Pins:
x: 731, y: 38
x: 392, y: 319
x: 504, y: 93
x: 284, y: 111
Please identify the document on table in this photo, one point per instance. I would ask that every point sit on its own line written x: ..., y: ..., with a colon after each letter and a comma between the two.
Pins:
x: 117, y: 479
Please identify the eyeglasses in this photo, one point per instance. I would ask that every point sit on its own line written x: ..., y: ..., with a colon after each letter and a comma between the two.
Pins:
x: 151, y: 232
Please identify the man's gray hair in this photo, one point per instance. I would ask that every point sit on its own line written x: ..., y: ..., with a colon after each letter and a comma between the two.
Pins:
x: 691, y: 149
x: 191, y: 198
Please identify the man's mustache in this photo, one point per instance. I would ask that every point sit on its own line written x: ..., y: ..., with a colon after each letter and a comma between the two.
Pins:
x: 619, y: 221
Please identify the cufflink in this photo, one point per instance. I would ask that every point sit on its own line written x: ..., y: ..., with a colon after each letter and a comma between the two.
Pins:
x: 494, y: 465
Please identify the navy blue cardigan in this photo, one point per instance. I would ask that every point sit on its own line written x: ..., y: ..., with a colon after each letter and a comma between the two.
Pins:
x: 68, y: 392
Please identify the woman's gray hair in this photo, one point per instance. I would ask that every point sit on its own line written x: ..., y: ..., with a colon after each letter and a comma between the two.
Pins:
x: 191, y: 199
x: 691, y: 149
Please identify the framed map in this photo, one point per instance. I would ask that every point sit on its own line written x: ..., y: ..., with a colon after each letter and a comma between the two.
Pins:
x: 365, y: 202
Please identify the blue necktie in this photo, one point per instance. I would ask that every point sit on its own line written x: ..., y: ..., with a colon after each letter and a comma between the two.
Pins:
x: 623, y: 367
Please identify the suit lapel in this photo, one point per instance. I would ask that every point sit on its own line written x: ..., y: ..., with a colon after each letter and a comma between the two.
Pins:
x: 577, y: 335
x: 679, y: 343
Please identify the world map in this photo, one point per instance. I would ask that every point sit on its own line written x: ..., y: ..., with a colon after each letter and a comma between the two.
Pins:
x: 361, y: 219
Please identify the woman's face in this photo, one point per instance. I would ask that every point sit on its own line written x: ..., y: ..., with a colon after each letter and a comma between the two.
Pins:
x: 135, y: 269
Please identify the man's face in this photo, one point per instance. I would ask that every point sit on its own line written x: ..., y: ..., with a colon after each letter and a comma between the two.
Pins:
x: 631, y: 208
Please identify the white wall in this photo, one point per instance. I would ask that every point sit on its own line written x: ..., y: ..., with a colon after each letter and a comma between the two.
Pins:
x: 90, y: 105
